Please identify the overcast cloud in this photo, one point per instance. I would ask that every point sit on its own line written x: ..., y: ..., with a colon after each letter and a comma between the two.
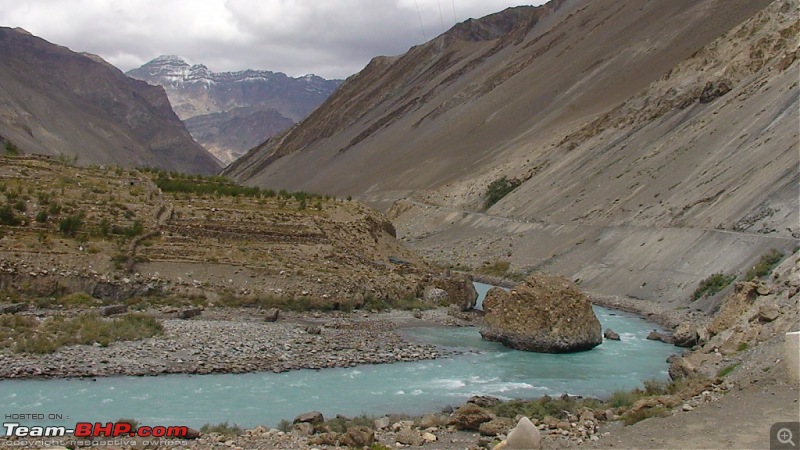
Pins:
x: 331, y: 38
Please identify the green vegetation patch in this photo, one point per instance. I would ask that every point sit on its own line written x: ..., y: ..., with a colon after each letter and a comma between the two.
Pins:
x: 28, y: 335
x: 223, y: 428
x: 765, y: 265
x: 713, y: 284
x: 341, y: 423
x: 725, y: 371
x: 498, y: 189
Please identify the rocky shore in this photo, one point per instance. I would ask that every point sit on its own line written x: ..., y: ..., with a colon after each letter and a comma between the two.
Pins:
x: 223, y: 340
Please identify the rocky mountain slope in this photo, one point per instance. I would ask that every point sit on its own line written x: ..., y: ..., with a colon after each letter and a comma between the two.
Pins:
x: 57, y: 102
x: 636, y: 146
x: 232, y: 112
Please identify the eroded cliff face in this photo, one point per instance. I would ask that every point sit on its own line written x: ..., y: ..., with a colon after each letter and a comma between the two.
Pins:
x: 545, y: 313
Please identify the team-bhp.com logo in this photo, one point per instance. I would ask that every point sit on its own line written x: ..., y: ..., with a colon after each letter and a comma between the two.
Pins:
x: 97, y: 429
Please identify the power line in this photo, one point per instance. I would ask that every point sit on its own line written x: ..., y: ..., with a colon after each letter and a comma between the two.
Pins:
x: 455, y: 17
x: 441, y: 16
x: 424, y: 36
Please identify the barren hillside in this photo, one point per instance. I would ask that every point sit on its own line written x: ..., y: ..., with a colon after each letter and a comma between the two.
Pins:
x: 56, y: 102
x: 647, y: 144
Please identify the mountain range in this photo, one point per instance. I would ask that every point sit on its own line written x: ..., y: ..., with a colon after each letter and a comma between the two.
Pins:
x: 639, y: 146
x: 57, y: 102
x: 231, y: 112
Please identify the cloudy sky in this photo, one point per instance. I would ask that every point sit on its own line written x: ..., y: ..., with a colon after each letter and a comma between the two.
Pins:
x: 331, y: 38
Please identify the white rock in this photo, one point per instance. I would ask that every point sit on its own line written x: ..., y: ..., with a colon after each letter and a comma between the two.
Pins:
x: 524, y: 436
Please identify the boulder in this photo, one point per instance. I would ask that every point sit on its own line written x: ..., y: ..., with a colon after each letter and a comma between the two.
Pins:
x: 496, y: 426
x: 302, y: 429
x: 407, y: 436
x: 768, y: 313
x: 550, y: 422
x: 611, y: 335
x: 359, y: 437
x: 189, y: 313
x: 429, y: 421
x: 191, y: 434
x: 313, y: 417
x: 484, y: 401
x: 545, y: 313
x: 680, y: 368
x: 330, y: 438
x: 381, y: 424
x: 113, y: 309
x: 656, y: 336
x: 435, y: 295
x: 665, y: 401
x: 460, y: 292
x: 470, y: 417
x: 689, y: 334
x: 272, y: 315
x: 524, y: 436
x: 13, y: 308
x: 313, y: 329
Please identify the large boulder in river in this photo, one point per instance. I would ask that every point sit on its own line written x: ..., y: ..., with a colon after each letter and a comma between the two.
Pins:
x: 545, y: 313
x: 460, y: 291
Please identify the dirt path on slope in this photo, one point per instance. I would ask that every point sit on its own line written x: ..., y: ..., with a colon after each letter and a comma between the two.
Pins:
x: 740, y: 420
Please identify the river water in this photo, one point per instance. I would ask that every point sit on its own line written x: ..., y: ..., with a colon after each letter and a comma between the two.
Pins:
x: 485, y: 368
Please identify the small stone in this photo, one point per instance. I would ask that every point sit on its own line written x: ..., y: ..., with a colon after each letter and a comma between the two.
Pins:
x: 687, y: 407
x: 272, y: 315
x: 429, y: 437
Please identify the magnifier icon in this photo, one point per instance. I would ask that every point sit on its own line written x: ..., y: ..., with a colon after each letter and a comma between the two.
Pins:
x: 784, y: 436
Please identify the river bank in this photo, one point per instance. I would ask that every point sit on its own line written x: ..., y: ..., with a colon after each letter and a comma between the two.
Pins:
x: 232, y: 340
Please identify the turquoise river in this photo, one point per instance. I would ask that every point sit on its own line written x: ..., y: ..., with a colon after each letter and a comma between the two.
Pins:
x: 485, y: 368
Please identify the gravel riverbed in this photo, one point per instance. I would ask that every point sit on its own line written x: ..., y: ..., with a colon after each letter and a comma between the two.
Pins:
x: 239, y: 341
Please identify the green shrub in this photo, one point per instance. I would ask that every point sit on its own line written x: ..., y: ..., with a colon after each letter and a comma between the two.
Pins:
x: 496, y: 269
x: 713, y: 284
x: 7, y: 216
x: 285, y: 426
x: 11, y: 148
x: 41, y: 217
x: 20, y: 205
x: 223, y: 428
x: 725, y: 371
x: 340, y: 424
x: 765, y: 265
x: 70, y: 225
x: 498, y: 189
x: 624, y: 399
x: 78, y: 299
x: 87, y: 329
x: 134, y: 230
x: 742, y: 347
